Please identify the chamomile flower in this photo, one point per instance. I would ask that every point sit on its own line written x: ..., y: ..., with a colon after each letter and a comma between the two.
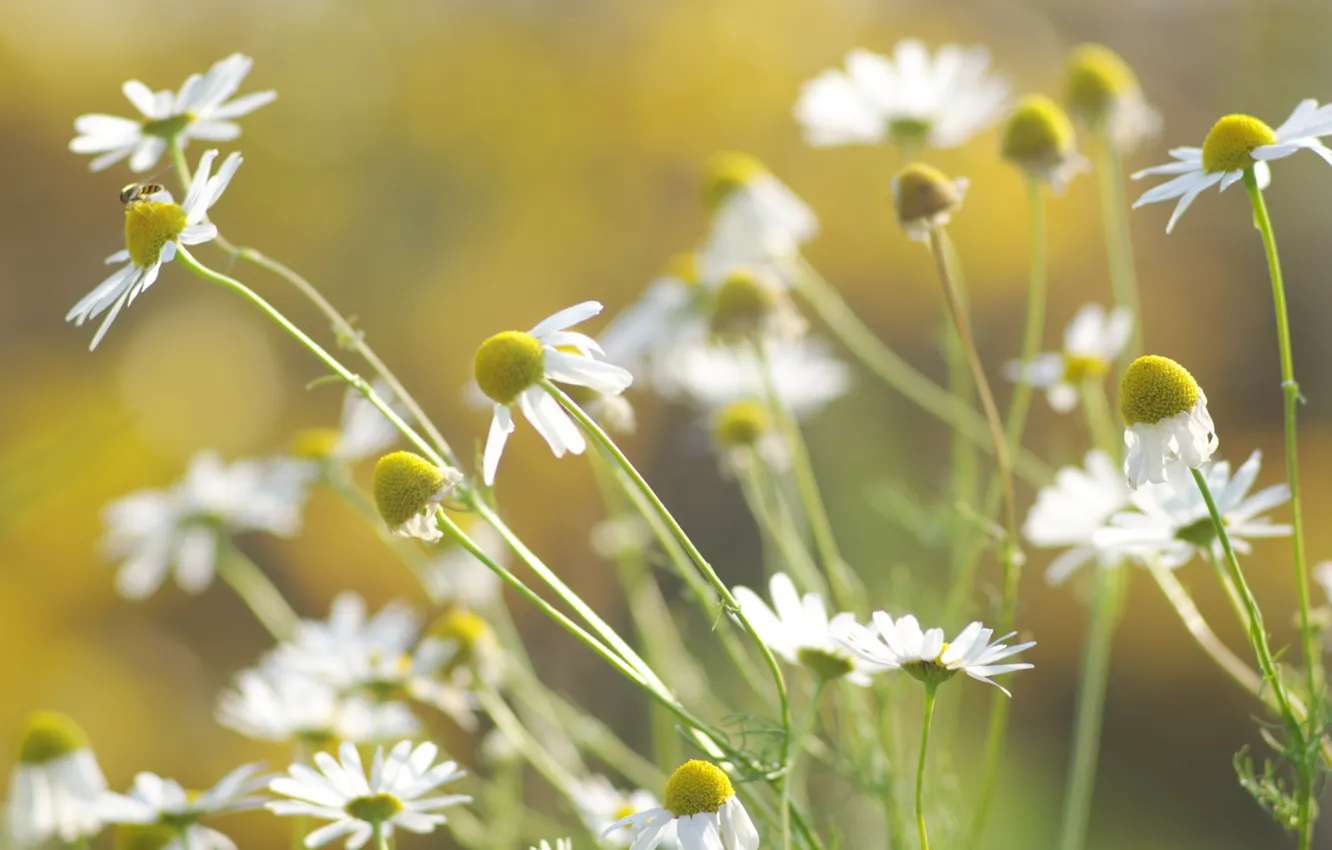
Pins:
x: 392, y: 797
x: 456, y: 575
x: 560, y: 844
x: 1039, y: 139
x: 509, y: 367
x: 894, y: 645
x: 408, y: 489
x: 665, y: 318
x: 1092, y: 342
x: 155, y: 229
x: 1101, y: 91
x: 202, y: 109
x: 1168, y: 423
x: 805, y: 376
x: 601, y: 804
x: 699, y: 810
x: 909, y: 100
x: 757, y: 221
x: 743, y: 433
x: 798, y: 629
x: 363, y: 431
x: 161, y: 802
x: 271, y: 704
x: 1172, y: 521
x: 56, y: 787
x: 925, y: 199
x: 1070, y: 511
x: 153, y: 532
x: 1234, y: 145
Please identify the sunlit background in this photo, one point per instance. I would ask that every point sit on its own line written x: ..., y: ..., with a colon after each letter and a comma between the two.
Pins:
x: 445, y: 170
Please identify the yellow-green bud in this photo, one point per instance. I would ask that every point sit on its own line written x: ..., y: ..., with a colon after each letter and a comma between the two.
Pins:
x: 1230, y: 144
x: 697, y: 786
x: 508, y: 363
x: 405, y: 484
x: 725, y: 172
x: 1096, y: 80
x: 375, y: 808
x: 924, y: 196
x: 1156, y: 388
x: 742, y: 304
x: 143, y: 836
x: 741, y: 424
x: 1038, y: 136
x: 49, y: 735
x: 824, y: 665
x: 149, y: 226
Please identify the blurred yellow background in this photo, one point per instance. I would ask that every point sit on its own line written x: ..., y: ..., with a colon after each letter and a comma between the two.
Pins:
x: 445, y: 170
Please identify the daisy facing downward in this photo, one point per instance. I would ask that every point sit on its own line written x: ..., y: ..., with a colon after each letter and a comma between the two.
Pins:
x: 510, y: 366
x: 1168, y: 423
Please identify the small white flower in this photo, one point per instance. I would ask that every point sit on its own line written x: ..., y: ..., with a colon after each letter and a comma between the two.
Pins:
x: 1092, y: 342
x: 925, y: 655
x: 363, y: 431
x: 163, y: 802
x: 273, y: 704
x: 1169, y: 427
x: 1103, y: 92
x: 700, y: 812
x: 510, y: 366
x: 1172, y: 521
x: 391, y: 797
x: 601, y: 804
x: 1069, y: 512
x: 805, y: 376
x: 155, y: 228
x: 670, y: 314
x: 798, y: 629
x: 560, y: 844
x: 910, y: 99
x: 1235, y: 144
x: 456, y: 575
x: 624, y: 535
x: 56, y: 787
x: 200, y: 110
x: 757, y: 221
x: 152, y: 532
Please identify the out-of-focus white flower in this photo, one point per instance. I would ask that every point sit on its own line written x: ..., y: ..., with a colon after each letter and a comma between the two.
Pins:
x: 1092, y: 342
x: 1102, y: 91
x: 757, y: 221
x: 911, y: 99
x: 456, y: 575
x: 1069, y: 512
x: 1169, y: 428
x: 152, y: 532
x: 804, y: 374
x: 362, y: 432
x: 202, y: 109
x: 601, y: 804
x: 280, y: 705
x: 700, y: 811
x: 798, y: 629
x: 56, y: 787
x: 161, y: 802
x: 1039, y: 139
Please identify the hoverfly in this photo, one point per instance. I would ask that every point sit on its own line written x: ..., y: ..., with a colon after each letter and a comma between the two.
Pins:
x: 139, y: 192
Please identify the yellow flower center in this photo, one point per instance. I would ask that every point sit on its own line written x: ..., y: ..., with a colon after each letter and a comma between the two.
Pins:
x: 741, y: 424
x: 49, y: 735
x: 143, y: 836
x: 314, y: 443
x: 623, y: 812
x: 695, y: 787
x: 824, y: 665
x: 1096, y: 79
x: 741, y: 304
x: 1156, y: 388
x: 1229, y: 146
x: 1038, y: 134
x: 685, y: 267
x: 149, y: 225
x: 1078, y: 369
x: 375, y: 808
x: 726, y: 172
x: 463, y: 628
x: 922, y: 192
x: 404, y: 485
x: 508, y: 363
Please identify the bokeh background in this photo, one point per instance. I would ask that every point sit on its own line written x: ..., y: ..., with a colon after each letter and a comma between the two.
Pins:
x: 444, y: 170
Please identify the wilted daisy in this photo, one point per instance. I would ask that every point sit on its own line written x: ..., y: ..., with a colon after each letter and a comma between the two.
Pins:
x: 804, y: 374
x: 363, y: 431
x: 408, y: 489
x: 1101, y: 90
x: 200, y: 110
x: 152, y: 532
x: 699, y: 810
x: 1039, y: 139
x: 1172, y: 521
x: 509, y: 367
x: 601, y: 804
x: 926, y: 655
x: 154, y: 800
x: 155, y: 228
x: 1168, y: 423
x: 1070, y: 511
x: 797, y: 629
x: 56, y: 787
x: 925, y: 199
x: 392, y: 797
x: 909, y: 100
x: 1236, y: 144
x: 272, y: 704
x: 1092, y: 342
x: 757, y: 221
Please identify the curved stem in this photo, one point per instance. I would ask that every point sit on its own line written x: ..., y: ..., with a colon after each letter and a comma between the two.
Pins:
x: 1118, y: 238
x: 257, y: 591
x: 1033, y: 330
x: 930, y: 690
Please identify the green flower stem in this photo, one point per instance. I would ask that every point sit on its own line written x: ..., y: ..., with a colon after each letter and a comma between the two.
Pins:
x: 527, y: 746
x: 594, y: 736
x: 1106, y: 608
x: 339, y: 480
x: 1118, y: 238
x: 778, y: 525
x: 794, y: 742
x: 300, y: 824
x: 1100, y: 421
x: 379, y: 837
x: 728, y: 600
x: 930, y: 690
x: 256, y: 590
x: 1313, y: 657
x: 935, y: 400
x: 965, y: 461
x: 1033, y: 331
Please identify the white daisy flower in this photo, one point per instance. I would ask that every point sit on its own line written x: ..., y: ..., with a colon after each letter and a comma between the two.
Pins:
x: 155, y: 228
x: 152, y: 532
x: 1069, y: 512
x: 743, y: 433
x: 1168, y: 423
x: 757, y: 221
x: 560, y: 844
x: 601, y: 804
x: 910, y: 99
x: 509, y: 367
x: 805, y: 376
x: 55, y: 788
x: 392, y: 797
x: 164, y: 803
x: 272, y: 704
x: 700, y: 811
x: 408, y: 490
x: 456, y: 575
x: 926, y: 655
x: 1039, y: 139
x: 1172, y: 521
x: 1102, y: 91
x: 798, y: 629
x: 200, y: 110
x: 363, y: 431
x: 1235, y: 144
x: 1092, y: 342
x: 666, y: 317
x: 925, y: 199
